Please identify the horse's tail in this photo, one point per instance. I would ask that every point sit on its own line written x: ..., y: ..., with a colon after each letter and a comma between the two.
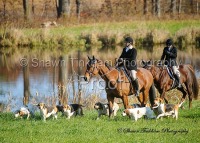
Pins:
x: 152, y: 94
x: 195, y: 85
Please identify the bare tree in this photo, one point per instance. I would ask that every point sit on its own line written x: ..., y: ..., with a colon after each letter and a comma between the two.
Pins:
x: 145, y: 7
x: 33, y: 7
x: 153, y: 7
x: 173, y: 7
x: 63, y: 8
x: 136, y: 5
x: 192, y: 6
x: 78, y: 5
x: 26, y: 84
x: 26, y: 7
x: 61, y: 81
x: 4, y: 8
x: 158, y: 8
x: 179, y: 6
x: 79, y: 74
x: 109, y: 7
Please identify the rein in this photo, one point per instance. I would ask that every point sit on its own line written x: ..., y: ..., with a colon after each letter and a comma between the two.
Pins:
x: 91, y: 72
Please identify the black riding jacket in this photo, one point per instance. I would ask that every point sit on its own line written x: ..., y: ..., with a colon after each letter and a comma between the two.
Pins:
x: 169, y: 56
x: 130, y: 58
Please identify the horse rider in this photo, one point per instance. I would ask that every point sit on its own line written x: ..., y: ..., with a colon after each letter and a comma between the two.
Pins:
x: 128, y: 56
x: 170, y: 55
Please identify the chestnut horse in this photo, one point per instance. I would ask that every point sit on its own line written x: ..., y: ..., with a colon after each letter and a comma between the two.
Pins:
x: 163, y: 81
x: 117, y: 84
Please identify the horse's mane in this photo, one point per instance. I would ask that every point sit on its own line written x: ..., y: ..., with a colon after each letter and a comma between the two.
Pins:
x: 108, y: 66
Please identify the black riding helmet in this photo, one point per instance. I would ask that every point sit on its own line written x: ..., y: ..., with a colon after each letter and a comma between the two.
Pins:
x: 128, y: 40
x: 169, y: 42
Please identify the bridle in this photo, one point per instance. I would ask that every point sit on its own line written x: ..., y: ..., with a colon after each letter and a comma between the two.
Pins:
x: 91, y: 72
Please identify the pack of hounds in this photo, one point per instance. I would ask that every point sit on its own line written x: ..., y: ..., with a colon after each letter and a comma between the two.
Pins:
x: 134, y: 112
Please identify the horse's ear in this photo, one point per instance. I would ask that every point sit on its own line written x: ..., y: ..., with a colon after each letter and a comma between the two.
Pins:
x: 89, y: 58
x: 161, y: 101
x: 93, y: 58
x: 149, y: 62
x: 143, y: 62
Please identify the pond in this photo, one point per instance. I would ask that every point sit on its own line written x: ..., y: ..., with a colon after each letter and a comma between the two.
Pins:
x: 45, y: 69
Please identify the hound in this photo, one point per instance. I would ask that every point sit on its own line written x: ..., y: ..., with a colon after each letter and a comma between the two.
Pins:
x: 103, y: 109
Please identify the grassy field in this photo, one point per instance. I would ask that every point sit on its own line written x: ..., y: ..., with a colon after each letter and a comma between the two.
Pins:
x: 88, y: 129
x: 182, y: 31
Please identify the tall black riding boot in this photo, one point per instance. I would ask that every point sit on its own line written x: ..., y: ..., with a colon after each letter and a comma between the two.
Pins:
x: 178, y: 80
x: 136, y: 86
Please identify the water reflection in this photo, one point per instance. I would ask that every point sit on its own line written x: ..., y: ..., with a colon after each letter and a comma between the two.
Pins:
x: 52, y: 76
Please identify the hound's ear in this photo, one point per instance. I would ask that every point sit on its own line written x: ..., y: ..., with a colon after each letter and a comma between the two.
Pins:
x: 138, y: 112
x: 127, y: 112
x: 161, y: 100
x: 89, y: 58
x: 149, y: 62
x: 102, y: 106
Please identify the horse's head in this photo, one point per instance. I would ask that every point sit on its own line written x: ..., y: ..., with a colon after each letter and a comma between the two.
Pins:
x: 147, y: 64
x: 92, y: 68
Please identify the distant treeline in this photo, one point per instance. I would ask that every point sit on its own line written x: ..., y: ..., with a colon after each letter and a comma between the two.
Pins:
x: 83, y: 11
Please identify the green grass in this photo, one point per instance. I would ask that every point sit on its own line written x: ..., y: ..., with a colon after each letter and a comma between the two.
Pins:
x: 88, y: 129
x: 77, y: 35
x: 124, y: 27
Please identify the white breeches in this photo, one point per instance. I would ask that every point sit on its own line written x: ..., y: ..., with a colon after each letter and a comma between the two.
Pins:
x: 175, y: 70
x: 133, y: 74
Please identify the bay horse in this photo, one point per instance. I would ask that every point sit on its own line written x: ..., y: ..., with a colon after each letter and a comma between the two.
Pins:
x: 118, y: 85
x: 163, y: 81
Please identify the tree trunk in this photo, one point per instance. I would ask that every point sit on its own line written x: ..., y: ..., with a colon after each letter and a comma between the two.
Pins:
x: 4, y: 9
x: 173, y: 7
x: 153, y: 7
x: 197, y: 7
x: 26, y: 7
x: 145, y: 7
x: 108, y: 7
x: 61, y: 81
x: 179, y: 6
x: 79, y: 74
x: 192, y: 6
x: 73, y: 79
x: 33, y: 7
x: 63, y: 8
x: 158, y: 8
x: 136, y: 5
x: 26, y: 84
x: 78, y: 3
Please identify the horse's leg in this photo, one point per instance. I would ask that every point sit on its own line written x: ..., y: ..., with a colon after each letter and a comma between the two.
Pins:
x: 184, y: 95
x: 162, y: 96
x: 110, y: 99
x: 141, y: 99
x: 189, y: 90
x: 144, y: 98
x: 125, y: 101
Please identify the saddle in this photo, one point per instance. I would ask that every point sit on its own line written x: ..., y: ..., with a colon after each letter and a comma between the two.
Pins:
x: 127, y: 73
